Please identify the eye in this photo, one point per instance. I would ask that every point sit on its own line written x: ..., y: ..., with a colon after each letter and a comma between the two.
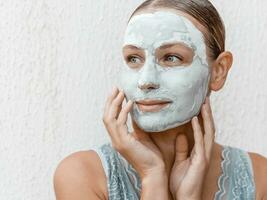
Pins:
x: 134, y: 59
x: 173, y: 58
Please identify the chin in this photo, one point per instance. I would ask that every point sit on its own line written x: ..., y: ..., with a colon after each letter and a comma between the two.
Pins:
x: 154, y: 124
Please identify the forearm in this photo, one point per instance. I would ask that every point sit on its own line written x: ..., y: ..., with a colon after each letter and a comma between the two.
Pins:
x: 195, y: 194
x: 155, y: 187
x: 181, y: 198
x: 188, y: 197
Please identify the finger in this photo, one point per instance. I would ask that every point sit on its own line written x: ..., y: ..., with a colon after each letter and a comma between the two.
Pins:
x: 181, y: 148
x: 116, y: 105
x: 110, y: 126
x: 193, y: 151
x: 110, y: 99
x: 118, y: 128
x: 208, y: 127
x: 123, y: 116
x: 198, y: 136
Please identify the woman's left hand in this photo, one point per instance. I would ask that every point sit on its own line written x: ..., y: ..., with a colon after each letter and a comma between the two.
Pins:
x: 188, y: 173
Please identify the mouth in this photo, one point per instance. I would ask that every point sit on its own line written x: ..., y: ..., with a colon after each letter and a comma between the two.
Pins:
x: 151, y: 105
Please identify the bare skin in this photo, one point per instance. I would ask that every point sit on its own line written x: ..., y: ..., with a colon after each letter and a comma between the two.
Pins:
x: 81, y: 175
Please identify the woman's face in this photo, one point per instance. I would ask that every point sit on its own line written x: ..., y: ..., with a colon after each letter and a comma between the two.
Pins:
x: 166, y: 71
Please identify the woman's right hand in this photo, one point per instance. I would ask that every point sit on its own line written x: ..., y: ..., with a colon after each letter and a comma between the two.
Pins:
x: 137, y: 148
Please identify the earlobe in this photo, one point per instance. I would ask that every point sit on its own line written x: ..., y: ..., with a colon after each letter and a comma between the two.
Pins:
x: 220, y: 70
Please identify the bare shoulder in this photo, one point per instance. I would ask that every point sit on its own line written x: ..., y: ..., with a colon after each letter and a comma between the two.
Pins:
x: 80, y: 176
x: 259, y: 164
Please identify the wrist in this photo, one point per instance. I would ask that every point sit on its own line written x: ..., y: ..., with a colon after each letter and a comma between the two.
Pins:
x: 188, y: 198
x: 159, y: 177
x: 155, y: 186
x: 156, y: 174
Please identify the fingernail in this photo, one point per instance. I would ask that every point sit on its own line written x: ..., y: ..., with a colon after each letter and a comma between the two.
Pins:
x: 130, y: 102
x: 114, y: 89
x: 207, y: 100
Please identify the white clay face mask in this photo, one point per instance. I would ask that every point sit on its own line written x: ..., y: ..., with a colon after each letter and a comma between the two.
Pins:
x: 185, y: 86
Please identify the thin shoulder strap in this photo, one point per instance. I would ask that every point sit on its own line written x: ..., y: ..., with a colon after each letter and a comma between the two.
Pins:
x: 237, y: 179
x: 122, y: 180
x: 222, y: 182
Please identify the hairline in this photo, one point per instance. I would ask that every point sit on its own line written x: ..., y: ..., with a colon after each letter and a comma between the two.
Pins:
x: 193, y: 20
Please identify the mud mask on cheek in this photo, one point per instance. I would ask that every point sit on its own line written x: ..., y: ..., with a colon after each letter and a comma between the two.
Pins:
x: 185, y: 87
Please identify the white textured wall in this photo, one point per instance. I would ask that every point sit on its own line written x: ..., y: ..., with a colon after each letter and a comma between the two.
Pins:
x: 60, y: 58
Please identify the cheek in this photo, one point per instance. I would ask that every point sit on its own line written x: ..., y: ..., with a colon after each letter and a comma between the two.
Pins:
x: 185, y: 81
x: 177, y: 80
x: 128, y: 80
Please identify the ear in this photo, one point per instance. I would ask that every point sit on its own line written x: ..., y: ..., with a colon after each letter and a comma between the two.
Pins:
x: 220, y: 69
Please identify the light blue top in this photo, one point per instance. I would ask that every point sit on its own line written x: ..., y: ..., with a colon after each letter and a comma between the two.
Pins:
x: 235, y: 183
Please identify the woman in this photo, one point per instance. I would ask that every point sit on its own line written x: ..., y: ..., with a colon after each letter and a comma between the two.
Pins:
x: 174, y: 55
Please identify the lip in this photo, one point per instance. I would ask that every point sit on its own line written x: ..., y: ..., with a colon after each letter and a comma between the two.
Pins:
x: 152, y: 105
x: 151, y: 102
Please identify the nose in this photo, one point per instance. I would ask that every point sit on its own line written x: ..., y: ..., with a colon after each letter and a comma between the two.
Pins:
x: 149, y: 86
x: 148, y: 78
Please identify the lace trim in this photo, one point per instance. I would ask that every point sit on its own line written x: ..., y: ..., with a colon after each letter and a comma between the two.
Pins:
x: 237, y: 180
x: 119, y: 184
x: 132, y: 174
x: 225, y: 164
x: 102, y: 158
x: 244, y: 187
x: 235, y: 183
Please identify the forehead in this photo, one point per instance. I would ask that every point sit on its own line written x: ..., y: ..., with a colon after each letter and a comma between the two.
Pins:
x: 194, y: 21
x: 148, y: 30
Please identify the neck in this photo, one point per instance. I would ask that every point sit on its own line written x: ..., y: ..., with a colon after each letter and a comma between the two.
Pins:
x: 166, y: 141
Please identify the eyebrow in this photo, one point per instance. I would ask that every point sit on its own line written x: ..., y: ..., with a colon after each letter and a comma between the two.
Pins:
x: 164, y: 46
x: 131, y: 47
x: 172, y: 44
